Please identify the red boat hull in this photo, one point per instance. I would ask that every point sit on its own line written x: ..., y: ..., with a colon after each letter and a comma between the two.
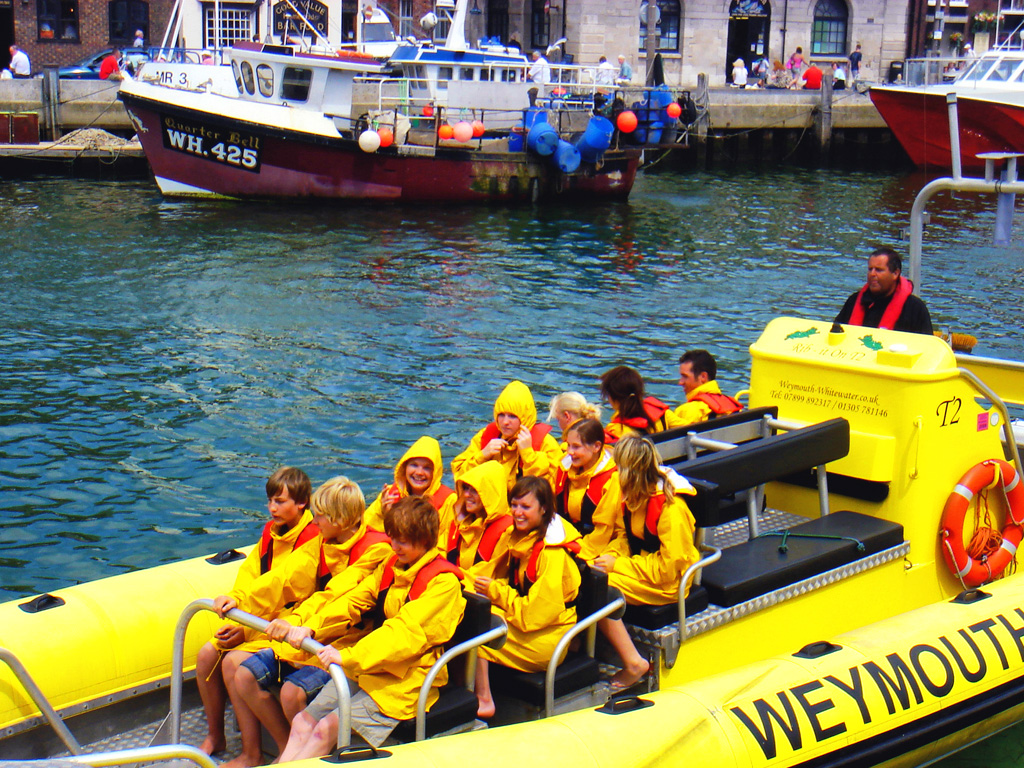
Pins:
x: 920, y: 122
x: 189, y: 154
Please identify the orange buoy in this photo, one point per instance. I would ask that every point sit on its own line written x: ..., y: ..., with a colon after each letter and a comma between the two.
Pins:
x: 446, y: 131
x: 478, y: 129
x: 387, y: 138
x: 626, y: 121
x: 674, y: 110
x: 428, y: 110
x: 975, y: 572
x: 463, y: 131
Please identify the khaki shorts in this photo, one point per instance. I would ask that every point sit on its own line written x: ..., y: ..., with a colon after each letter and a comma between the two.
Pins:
x: 368, y: 721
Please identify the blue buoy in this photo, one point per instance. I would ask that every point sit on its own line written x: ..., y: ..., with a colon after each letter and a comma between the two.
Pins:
x: 566, y: 157
x: 542, y: 139
x: 596, y: 138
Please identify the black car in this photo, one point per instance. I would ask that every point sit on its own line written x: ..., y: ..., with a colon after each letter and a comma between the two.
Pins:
x: 89, y: 67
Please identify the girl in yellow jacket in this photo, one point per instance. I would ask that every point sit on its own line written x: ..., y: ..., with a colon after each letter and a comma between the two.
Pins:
x: 587, y: 489
x: 417, y: 598
x: 659, y: 532
x: 475, y: 529
x: 635, y: 413
x: 535, y: 589
x: 568, y: 408
x: 419, y: 473
x: 349, y: 551
x: 290, y: 529
x: 514, y: 439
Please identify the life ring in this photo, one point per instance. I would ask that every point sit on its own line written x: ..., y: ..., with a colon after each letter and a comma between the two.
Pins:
x: 987, y: 474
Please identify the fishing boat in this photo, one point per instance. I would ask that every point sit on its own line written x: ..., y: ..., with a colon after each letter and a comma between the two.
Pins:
x: 990, y: 111
x: 432, y: 124
x: 837, y: 617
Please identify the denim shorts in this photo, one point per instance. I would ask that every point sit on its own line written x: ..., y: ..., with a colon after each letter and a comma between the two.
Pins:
x: 271, y: 673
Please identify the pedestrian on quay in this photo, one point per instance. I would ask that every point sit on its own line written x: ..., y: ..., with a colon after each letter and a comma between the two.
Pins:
x: 20, y: 66
x: 739, y: 74
x: 625, y: 72
x: 855, y: 59
x: 140, y: 39
x: 796, y: 62
x: 811, y: 78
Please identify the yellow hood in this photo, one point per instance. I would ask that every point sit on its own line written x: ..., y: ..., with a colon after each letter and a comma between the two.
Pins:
x: 490, y: 480
x: 516, y: 398
x: 424, y: 448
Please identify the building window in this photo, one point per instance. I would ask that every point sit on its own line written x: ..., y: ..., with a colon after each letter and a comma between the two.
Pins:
x: 235, y: 24
x: 405, y: 18
x: 497, y: 19
x: 540, y: 23
x: 440, y: 32
x: 828, y: 35
x: 668, y: 27
x: 125, y: 17
x: 57, y: 20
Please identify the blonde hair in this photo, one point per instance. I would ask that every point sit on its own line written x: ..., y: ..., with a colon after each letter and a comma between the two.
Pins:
x: 341, y: 501
x: 574, y: 403
x: 640, y: 472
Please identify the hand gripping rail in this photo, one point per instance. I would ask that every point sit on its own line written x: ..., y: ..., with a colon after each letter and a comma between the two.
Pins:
x: 493, y: 638
x: 253, y: 622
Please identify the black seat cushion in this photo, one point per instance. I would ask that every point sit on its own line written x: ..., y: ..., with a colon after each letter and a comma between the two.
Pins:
x: 576, y: 672
x: 758, y: 566
x: 456, y: 706
x: 658, y: 616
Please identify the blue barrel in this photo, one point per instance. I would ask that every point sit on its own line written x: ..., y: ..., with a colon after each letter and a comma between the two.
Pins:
x: 660, y: 97
x: 515, y: 139
x: 654, y: 132
x: 533, y: 116
x: 566, y: 157
x: 596, y: 139
x: 542, y: 139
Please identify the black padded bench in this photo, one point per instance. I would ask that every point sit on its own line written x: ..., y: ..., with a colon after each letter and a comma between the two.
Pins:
x: 735, y: 428
x: 759, y: 566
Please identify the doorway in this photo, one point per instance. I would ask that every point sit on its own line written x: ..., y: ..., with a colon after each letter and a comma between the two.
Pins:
x: 749, y: 24
x: 6, y: 31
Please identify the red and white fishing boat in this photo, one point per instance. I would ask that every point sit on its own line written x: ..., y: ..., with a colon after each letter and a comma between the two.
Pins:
x: 990, y: 112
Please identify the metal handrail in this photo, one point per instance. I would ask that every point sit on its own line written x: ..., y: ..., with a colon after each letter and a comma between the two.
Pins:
x: 309, y: 645
x: 563, y: 644
x: 145, y: 755
x: 1000, y: 406
x: 40, y: 700
x: 486, y: 638
x: 714, y: 554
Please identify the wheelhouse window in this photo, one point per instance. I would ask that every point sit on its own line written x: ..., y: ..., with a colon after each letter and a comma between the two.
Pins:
x: 667, y: 27
x: 828, y: 35
x: 235, y: 24
x: 295, y: 84
x: 540, y: 23
x: 57, y: 20
x: 126, y: 16
x: 265, y: 80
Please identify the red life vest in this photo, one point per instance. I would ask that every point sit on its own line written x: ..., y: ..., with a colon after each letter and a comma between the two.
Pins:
x: 904, y: 288
x: 650, y: 541
x: 530, y: 577
x: 485, y: 550
x: 719, y: 404
x: 591, y: 498
x: 440, y: 496
x: 371, y: 537
x: 537, y: 434
x: 266, y: 540
x: 655, y: 410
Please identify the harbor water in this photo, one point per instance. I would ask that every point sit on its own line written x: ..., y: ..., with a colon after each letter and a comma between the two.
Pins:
x: 158, y: 359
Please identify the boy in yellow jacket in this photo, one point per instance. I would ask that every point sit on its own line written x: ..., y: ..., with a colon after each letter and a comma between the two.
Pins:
x: 417, y: 598
x: 290, y: 529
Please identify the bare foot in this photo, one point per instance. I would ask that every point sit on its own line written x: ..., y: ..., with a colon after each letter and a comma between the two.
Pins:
x: 630, y: 675
x: 213, y: 744
x: 243, y: 761
x: 485, y: 709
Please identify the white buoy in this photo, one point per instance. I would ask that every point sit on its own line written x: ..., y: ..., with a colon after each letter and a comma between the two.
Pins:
x: 369, y: 141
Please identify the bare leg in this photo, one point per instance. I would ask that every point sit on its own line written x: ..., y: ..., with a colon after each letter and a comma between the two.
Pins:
x: 293, y: 701
x: 252, y: 735
x: 264, y: 705
x: 302, y: 729
x: 485, y: 705
x: 634, y: 666
x: 323, y: 738
x: 214, y: 695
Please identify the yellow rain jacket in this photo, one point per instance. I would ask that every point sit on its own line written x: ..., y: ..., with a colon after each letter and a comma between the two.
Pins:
x: 591, y: 500
x: 392, y: 661
x: 249, y: 578
x: 460, y: 536
x: 438, y: 493
x: 652, y: 577
x: 540, y: 458
x: 694, y: 409
x: 543, y: 610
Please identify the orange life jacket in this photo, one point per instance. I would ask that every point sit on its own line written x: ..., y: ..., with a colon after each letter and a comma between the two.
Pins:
x: 719, y: 404
x: 655, y: 411
x: 435, y: 567
x: 892, y: 312
x: 371, y: 537
x: 530, y: 577
x: 591, y: 498
x: 266, y: 542
x: 485, y: 550
x: 650, y: 541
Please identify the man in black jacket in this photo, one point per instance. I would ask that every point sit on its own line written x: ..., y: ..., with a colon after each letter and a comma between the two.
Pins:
x: 887, y: 299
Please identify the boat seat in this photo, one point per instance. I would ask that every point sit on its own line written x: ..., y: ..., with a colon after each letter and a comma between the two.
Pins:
x: 456, y: 705
x: 737, y: 428
x: 579, y: 669
x: 773, y: 560
x: 658, y: 616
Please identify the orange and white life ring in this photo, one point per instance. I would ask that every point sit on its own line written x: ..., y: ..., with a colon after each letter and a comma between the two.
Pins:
x: 975, y: 572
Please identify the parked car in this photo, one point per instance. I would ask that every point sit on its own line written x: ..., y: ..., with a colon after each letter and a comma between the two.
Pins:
x: 89, y: 67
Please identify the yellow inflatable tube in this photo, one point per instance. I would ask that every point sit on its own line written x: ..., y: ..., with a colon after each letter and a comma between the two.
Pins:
x: 108, y: 636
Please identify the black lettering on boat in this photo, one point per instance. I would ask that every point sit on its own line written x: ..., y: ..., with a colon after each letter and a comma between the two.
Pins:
x: 1015, y: 632
x: 904, y: 684
x: 935, y: 689
x: 971, y: 677
x: 813, y: 710
x: 986, y: 627
x: 855, y: 690
x: 765, y: 735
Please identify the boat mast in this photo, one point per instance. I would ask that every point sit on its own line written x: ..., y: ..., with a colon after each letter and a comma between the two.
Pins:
x: 456, y: 39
